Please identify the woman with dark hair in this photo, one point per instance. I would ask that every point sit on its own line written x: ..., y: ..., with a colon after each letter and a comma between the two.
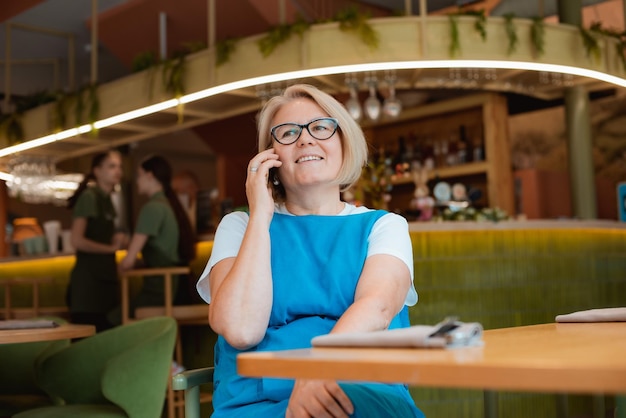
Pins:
x: 93, y: 286
x: 163, y: 233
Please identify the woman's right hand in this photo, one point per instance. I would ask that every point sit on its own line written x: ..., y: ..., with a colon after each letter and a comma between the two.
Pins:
x: 258, y: 187
x: 318, y: 399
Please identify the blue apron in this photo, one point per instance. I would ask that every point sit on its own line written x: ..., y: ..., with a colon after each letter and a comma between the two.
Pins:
x: 316, y: 263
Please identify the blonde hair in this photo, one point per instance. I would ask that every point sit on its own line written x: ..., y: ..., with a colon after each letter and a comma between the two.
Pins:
x: 353, y: 141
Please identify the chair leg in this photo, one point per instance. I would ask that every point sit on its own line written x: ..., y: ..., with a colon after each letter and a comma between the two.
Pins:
x: 177, y: 398
x: 175, y: 407
x: 170, y: 400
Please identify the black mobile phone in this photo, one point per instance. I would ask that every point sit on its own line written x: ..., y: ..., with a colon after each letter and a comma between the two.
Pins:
x: 271, y: 174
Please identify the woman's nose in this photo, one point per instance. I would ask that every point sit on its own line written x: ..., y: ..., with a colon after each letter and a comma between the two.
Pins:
x: 305, y: 137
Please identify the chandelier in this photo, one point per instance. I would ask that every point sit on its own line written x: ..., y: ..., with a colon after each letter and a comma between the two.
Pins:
x: 35, y: 180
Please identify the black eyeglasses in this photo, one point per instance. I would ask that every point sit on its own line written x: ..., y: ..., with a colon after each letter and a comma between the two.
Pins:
x: 320, y: 128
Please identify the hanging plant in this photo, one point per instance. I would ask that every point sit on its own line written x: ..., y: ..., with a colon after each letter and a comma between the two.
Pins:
x: 223, y: 50
x: 143, y: 61
x: 350, y: 20
x: 60, y: 110
x: 620, y: 45
x: 537, y: 33
x: 31, y: 101
x: 173, y: 71
x: 481, y: 22
x: 11, y: 123
x: 279, y: 35
x: 79, y: 107
x: 455, y: 46
x: 511, y: 32
x: 591, y: 44
x: 86, y: 103
x: 11, y: 126
x: 93, y: 102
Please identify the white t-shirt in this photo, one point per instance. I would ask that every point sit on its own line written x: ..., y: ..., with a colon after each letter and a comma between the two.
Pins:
x: 388, y: 236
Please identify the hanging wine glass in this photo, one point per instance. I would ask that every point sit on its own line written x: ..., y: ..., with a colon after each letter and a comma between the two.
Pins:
x: 352, y: 104
x: 372, y: 104
x: 392, y: 106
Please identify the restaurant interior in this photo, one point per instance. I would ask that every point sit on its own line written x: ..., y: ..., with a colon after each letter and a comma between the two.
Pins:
x: 497, y: 128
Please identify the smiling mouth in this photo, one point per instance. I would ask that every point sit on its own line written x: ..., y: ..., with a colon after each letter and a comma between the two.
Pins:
x: 308, y: 158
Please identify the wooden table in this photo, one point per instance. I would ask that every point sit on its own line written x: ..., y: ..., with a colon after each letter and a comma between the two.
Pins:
x: 556, y: 358
x: 62, y: 332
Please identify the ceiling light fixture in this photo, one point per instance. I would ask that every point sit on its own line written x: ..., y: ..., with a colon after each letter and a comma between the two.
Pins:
x: 315, y: 72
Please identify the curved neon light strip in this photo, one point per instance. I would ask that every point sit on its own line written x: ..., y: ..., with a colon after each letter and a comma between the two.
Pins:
x: 250, y: 82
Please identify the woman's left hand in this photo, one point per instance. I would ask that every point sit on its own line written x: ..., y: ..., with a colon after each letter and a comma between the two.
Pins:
x: 318, y: 399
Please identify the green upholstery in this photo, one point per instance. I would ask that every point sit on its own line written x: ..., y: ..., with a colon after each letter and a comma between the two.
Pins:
x: 121, y: 372
x: 190, y: 382
x: 18, y: 389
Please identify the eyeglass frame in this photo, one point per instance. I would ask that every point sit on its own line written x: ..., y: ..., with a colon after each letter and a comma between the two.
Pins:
x: 302, y: 127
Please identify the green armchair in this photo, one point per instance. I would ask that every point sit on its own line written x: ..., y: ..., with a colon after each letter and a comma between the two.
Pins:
x: 18, y: 389
x: 190, y: 382
x: 122, y: 372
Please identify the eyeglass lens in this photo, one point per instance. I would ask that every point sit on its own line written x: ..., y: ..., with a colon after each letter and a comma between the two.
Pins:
x: 288, y: 133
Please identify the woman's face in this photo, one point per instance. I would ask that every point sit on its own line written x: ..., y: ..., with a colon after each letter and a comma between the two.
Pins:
x: 109, y: 172
x: 308, y: 161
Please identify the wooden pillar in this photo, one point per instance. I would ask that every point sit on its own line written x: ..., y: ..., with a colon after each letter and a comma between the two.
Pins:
x: 4, y: 209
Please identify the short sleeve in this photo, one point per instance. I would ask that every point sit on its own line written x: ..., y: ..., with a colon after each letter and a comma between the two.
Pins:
x: 150, y: 219
x: 86, y: 206
x: 226, y: 244
x: 390, y: 235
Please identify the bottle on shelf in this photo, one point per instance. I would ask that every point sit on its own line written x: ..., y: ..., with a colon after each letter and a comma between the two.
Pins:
x: 453, y: 149
x: 462, y: 146
x: 428, y: 154
x: 400, y: 157
x: 478, y: 152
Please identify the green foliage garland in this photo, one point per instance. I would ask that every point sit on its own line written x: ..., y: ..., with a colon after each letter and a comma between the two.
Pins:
x: 620, y: 45
x: 511, y: 32
x: 591, y: 44
x: 143, y: 61
x: 350, y: 20
x: 455, y: 46
x: 11, y: 126
x: 59, y: 113
x: 279, y: 35
x: 173, y: 72
x: 537, y: 37
x: 223, y: 51
x: 481, y: 22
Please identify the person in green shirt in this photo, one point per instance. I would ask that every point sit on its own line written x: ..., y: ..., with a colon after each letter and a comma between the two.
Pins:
x: 93, y: 287
x: 163, y: 234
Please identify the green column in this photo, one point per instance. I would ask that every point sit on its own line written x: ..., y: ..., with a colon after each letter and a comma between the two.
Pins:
x: 582, y: 179
x: 581, y: 170
x: 571, y: 12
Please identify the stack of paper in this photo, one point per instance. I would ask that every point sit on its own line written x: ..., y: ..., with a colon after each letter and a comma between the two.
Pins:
x: 447, y: 334
x: 26, y: 324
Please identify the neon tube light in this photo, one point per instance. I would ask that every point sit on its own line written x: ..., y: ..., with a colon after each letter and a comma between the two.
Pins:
x: 250, y: 82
